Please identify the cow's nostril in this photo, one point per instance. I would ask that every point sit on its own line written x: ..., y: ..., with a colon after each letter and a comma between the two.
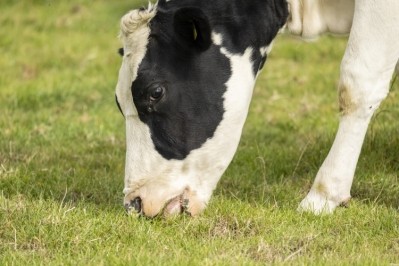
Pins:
x: 136, y: 204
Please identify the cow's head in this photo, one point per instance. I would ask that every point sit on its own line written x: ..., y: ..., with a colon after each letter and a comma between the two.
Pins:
x: 184, y: 89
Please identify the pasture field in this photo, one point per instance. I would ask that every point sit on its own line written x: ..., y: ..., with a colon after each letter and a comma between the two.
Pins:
x: 62, y: 144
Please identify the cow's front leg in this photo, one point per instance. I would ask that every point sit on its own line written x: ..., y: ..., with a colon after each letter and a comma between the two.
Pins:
x: 366, y: 71
x: 334, y: 179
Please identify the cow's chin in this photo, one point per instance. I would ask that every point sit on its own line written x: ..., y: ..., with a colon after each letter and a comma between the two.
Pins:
x: 154, y: 205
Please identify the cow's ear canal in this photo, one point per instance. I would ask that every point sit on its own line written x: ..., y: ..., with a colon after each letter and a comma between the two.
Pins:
x: 192, y: 28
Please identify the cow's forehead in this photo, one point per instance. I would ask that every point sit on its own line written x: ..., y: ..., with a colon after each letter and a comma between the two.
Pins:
x: 136, y: 19
x: 134, y: 33
x: 238, y: 33
x: 134, y: 29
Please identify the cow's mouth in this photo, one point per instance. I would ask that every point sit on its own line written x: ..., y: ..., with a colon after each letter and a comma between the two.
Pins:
x: 175, y: 206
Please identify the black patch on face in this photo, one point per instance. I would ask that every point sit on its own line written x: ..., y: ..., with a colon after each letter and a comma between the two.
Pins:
x: 121, y: 52
x: 191, y: 70
x: 191, y: 106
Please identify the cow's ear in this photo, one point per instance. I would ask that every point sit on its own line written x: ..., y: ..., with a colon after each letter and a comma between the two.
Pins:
x: 192, y: 28
x: 281, y: 12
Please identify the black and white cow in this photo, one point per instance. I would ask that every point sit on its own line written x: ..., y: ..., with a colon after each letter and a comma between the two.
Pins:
x: 186, y: 82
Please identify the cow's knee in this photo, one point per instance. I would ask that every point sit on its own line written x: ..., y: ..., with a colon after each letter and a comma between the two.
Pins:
x: 360, y: 92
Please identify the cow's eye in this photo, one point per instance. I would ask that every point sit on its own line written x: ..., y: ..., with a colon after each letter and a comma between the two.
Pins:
x: 156, y: 93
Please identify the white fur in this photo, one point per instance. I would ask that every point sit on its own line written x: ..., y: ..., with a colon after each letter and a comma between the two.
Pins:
x: 217, y: 38
x: 266, y: 49
x: 134, y: 34
x: 366, y: 71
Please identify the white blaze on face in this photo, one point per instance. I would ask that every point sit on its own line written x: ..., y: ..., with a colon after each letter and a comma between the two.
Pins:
x: 134, y: 34
x: 147, y: 174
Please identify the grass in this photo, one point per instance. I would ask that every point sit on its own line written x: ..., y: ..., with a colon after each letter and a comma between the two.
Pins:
x: 62, y: 154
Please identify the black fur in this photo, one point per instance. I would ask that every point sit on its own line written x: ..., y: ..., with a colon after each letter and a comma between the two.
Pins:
x: 192, y: 71
x: 121, y: 52
x: 119, y: 106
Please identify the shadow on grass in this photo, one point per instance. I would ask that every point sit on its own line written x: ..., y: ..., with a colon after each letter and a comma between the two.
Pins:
x: 268, y: 176
x: 274, y: 165
x: 92, y: 172
x: 268, y: 169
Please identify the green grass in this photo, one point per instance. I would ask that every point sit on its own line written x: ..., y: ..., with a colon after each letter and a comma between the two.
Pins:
x: 62, y: 157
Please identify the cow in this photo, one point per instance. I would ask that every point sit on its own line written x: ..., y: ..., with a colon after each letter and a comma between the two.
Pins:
x: 186, y: 81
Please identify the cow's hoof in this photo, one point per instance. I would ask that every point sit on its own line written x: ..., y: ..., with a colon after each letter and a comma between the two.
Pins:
x: 134, y: 206
x: 317, y: 204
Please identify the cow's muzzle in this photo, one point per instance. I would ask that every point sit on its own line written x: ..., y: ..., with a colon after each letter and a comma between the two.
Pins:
x: 186, y: 203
